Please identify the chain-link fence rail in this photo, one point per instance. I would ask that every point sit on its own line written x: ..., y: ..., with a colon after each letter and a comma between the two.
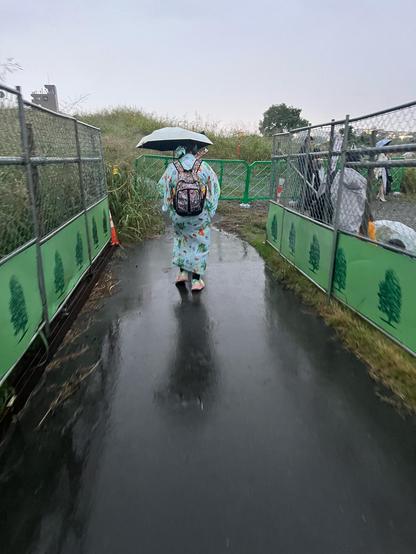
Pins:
x: 53, y: 216
x: 238, y: 179
x: 365, y: 183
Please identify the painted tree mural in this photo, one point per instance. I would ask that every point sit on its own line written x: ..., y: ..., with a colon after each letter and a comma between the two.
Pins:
x: 94, y: 232
x: 292, y: 239
x: 79, y: 251
x: 340, y: 273
x: 17, y: 307
x: 105, y: 222
x: 314, y: 254
x: 390, y: 297
x: 59, y: 275
x: 274, y: 228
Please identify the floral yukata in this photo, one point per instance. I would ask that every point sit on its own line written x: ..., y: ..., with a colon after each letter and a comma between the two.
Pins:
x: 192, y: 234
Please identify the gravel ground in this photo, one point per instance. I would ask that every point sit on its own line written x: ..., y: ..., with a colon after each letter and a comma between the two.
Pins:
x: 397, y: 208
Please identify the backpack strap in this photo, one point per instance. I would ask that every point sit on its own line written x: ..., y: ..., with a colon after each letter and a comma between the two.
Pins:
x: 196, y: 167
x: 179, y: 168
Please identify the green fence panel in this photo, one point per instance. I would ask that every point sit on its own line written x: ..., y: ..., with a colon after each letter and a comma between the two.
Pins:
x: 99, y: 227
x: 260, y: 179
x: 20, y: 307
x: 238, y: 179
x: 65, y: 260
x: 307, y: 245
x: 379, y: 284
x: 275, y: 225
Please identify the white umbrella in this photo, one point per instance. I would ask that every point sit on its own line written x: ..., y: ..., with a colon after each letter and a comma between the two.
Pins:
x: 169, y: 138
x: 387, y: 230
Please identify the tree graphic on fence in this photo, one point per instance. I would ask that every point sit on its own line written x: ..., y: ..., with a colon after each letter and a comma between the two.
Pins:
x: 292, y: 239
x: 59, y: 275
x: 17, y: 307
x: 94, y: 232
x: 340, y: 273
x: 105, y: 222
x: 314, y: 254
x: 79, y: 251
x: 390, y: 297
x: 274, y: 228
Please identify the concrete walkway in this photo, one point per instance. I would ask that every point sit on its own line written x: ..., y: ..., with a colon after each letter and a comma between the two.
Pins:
x: 232, y: 421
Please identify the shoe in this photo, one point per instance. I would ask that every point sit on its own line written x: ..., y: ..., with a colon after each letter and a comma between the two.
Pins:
x: 182, y: 278
x: 382, y: 199
x: 197, y: 285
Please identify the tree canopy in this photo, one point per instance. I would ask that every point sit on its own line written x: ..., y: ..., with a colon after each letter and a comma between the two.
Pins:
x: 280, y: 118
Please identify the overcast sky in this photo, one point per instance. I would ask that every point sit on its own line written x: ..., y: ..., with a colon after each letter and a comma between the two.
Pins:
x: 223, y: 60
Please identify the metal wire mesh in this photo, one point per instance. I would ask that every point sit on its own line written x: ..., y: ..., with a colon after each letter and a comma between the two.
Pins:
x: 10, y: 141
x: 16, y: 227
x: 373, y: 195
x: 387, y: 174
x: 54, y: 173
x: 92, y: 169
x: 50, y: 135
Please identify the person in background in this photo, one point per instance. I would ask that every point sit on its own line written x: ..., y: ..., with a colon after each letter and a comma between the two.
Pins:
x: 382, y: 174
x: 192, y: 233
x: 353, y: 197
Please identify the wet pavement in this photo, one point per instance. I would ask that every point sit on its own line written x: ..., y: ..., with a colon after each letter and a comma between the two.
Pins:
x: 232, y: 421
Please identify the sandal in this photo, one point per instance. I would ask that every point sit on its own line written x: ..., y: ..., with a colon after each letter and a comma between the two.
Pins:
x: 182, y: 278
x: 197, y: 285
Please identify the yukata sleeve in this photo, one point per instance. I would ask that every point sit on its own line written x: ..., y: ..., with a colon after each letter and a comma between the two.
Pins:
x: 213, y: 189
x: 166, y: 185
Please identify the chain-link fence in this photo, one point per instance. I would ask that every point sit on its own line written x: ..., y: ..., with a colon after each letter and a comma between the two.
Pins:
x: 238, y: 179
x: 358, y: 175
x: 52, y: 179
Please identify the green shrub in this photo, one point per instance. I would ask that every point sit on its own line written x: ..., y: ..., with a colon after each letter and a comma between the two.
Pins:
x: 409, y: 180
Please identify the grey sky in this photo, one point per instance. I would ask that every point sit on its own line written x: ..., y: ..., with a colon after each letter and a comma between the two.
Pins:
x: 224, y: 60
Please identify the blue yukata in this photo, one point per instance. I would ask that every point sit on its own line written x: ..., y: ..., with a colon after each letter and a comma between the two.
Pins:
x: 192, y: 234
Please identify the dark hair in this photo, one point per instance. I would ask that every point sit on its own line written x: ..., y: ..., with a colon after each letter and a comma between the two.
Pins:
x: 190, y: 147
x: 353, y: 156
x: 397, y: 243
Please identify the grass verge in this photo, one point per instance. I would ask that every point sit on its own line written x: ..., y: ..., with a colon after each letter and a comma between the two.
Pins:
x: 387, y: 363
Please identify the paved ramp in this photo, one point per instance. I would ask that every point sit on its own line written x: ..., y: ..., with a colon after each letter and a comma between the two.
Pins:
x: 232, y: 421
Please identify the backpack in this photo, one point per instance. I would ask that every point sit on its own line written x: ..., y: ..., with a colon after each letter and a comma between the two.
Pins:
x: 189, y: 195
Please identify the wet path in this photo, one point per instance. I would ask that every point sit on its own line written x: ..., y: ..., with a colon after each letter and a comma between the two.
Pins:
x: 227, y: 422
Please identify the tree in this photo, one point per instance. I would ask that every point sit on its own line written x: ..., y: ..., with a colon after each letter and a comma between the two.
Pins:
x: 274, y: 228
x: 292, y: 239
x: 79, y: 251
x: 340, y: 273
x: 105, y: 222
x: 314, y: 254
x: 390, y: 297
x: 59, y: 275
x: 281, y: 118
x: 94, y: 232
x: 17, y: 307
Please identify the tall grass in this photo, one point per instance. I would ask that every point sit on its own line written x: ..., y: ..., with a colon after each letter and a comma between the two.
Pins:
x: 134, y: 205
x: 122, y: 128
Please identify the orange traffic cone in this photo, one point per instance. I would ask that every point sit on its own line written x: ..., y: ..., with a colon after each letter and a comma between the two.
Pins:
x: 114, y: 237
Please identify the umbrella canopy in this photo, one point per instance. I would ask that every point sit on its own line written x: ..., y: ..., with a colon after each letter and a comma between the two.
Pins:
x: 383, y: 142
x: 169, y: 138
x: 387, y: 230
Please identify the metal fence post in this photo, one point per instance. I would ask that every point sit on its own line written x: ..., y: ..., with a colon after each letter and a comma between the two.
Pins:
x: 305, y: 161
x: 338, y: 207
x: 83, y: 191
x: 329, y: 172
x: 247, y: 185
x: 33, y: 207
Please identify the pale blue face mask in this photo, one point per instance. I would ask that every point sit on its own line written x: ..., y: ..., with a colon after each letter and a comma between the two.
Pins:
x: 179, y: 152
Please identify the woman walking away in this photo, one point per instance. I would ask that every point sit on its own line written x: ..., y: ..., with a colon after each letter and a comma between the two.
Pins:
x: 190, y: 191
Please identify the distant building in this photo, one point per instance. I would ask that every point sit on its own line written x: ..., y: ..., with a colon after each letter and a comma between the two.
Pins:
x: 47, y: 98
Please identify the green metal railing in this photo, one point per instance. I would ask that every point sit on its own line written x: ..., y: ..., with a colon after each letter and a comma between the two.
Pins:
x: 239, y: 180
